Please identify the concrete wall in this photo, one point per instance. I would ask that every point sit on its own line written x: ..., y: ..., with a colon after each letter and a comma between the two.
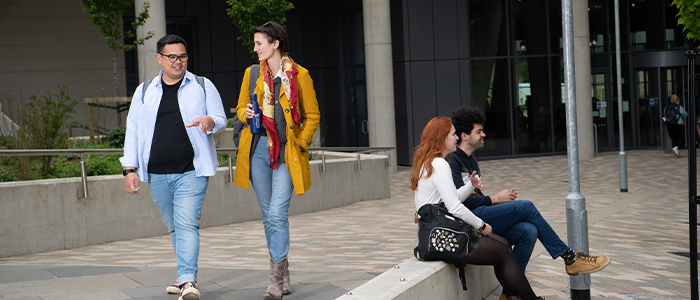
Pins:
x: 44, y: 215
x: 50, y: 42
x: 415, y: 279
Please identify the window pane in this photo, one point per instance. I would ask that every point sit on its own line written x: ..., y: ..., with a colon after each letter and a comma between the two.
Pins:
x: 558, y: 103
x: 488, y: 28
x: 533, y: 111
x: 646, y: 24
x: 491, y: 94
x: 528, y: 27
x: 556, y: 42
x: 597, y: 26
x: 675, y: 38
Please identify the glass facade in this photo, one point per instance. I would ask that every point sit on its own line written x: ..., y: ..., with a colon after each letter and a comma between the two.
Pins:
x: 517, y: 75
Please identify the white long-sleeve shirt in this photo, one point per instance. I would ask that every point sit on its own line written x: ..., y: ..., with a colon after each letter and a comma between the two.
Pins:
x: 440, y: 188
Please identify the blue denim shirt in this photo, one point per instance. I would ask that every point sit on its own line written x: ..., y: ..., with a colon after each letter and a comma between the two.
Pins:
x: 141, y: 122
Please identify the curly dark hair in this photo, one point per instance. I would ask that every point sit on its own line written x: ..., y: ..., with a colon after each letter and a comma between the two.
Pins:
x: 464, y: 119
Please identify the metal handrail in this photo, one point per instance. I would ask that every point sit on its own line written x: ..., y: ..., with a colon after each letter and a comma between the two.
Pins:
x: 83, y: 173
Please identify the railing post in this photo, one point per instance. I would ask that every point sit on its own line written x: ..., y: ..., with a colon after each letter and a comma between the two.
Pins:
x: 83, y: 177
x: 359, y: 164
x: 230, y: 168
x: 323, y: 161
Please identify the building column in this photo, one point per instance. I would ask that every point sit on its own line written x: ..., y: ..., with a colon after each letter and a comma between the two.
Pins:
x: 582, y: 61
x: 148, y: 66
x: 380, y: 76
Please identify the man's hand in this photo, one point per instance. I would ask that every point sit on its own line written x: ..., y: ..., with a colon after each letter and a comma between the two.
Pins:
x: 476, y: 181
x: 504, y: 196
x: 131, y: 183
x: 206, y: 123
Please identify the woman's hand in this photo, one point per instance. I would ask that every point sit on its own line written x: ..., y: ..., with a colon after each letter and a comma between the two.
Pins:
x: 476, y: 181
x: 487, y: 229
x: 249, y: 111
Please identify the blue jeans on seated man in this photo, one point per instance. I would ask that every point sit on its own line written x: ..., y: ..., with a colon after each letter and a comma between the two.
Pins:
x: 521, y: 224
x: 179, y: 198
x: 273, y: 188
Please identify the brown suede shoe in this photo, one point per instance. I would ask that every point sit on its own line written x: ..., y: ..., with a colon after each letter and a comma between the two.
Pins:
x: 585, y: 264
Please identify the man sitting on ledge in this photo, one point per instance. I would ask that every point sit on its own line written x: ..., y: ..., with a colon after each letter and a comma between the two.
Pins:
x: 519, y: 222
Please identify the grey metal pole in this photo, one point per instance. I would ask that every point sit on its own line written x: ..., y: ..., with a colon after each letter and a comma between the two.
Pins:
x: 576, y: 216
x: 622, y: 157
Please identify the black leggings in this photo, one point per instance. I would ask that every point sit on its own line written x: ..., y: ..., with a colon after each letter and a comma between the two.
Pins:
x: 495, y: 251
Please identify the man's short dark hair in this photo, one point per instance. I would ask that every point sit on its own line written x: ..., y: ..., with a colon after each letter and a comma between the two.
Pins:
x: 464, y: 119
x: 169, y: 40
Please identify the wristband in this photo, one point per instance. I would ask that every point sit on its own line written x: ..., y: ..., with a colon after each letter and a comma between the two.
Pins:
x: 483, y: 226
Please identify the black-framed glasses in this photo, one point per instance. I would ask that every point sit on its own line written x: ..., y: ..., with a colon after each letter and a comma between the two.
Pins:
x: 172, y: 58
x: 273, y: 28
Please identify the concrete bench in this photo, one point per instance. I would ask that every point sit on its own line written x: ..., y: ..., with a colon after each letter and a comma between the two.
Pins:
x: 414, y: 279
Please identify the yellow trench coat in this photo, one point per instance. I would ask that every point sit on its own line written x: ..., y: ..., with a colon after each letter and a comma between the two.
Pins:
x: 297, y: 162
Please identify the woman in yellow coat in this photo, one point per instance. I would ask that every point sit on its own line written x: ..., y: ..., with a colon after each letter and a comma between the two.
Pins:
x: 276, y: 161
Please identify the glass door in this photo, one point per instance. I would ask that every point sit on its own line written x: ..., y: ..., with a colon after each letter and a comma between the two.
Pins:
x: 674, y: 83
x: 648, y: 107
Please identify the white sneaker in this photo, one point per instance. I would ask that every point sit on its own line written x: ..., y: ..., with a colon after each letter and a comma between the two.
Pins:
x: 173, y: 289
x: 675, y: 151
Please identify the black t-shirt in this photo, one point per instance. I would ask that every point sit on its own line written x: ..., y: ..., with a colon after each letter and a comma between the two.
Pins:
x: 171, y: 149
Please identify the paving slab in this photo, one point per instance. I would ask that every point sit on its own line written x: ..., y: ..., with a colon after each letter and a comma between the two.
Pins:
x: 645, y: 231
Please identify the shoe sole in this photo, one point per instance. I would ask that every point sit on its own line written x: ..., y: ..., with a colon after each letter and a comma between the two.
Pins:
x: 592, y: 271
x: 172, y: 290
x: 269, y: 296
x: 192, y: 294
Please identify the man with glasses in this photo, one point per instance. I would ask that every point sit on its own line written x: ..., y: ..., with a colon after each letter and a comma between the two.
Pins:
x: 169, y: 144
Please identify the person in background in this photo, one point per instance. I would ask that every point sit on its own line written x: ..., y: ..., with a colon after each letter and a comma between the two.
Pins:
x: 675, y: 127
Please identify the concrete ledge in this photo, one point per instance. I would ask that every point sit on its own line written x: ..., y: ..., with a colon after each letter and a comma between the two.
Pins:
x: 427, y: 280
x: 45, y: 215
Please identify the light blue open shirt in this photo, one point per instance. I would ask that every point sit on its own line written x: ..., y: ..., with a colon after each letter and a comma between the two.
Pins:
x: 141, y: 123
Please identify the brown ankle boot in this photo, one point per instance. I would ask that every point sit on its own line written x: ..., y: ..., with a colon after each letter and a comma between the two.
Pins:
x: 274, y: 290
x: 286, y: 285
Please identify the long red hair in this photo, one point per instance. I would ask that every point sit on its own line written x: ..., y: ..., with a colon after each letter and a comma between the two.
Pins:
x: 432, y: 144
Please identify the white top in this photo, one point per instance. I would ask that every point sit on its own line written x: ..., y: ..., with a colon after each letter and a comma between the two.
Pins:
x: 439, y: 187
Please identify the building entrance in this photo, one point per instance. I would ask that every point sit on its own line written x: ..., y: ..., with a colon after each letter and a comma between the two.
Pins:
x: 653, y: 90
x: 647, y: 100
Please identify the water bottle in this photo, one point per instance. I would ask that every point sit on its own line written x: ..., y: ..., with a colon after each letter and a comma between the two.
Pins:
x: 255, y: 122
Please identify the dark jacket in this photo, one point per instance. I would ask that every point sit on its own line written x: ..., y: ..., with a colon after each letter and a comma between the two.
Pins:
x: 459, y: 160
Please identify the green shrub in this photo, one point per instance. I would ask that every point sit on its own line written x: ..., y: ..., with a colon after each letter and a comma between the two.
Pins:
x: 115, y: 137
x: 103, y: 164
x: 230, y: 122
x: 6, y: 175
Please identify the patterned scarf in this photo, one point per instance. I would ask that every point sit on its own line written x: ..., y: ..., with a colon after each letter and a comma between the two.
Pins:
x: 289, y: 82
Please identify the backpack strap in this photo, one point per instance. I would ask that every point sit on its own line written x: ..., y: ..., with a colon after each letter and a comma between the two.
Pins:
x: 254, y: 74
x: 144, y: 88
x: 200, y: 80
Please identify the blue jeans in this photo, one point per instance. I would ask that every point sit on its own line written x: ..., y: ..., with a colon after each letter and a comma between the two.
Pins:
x: 521, y: 224
x: 273, y: 188
x: 179, y: 198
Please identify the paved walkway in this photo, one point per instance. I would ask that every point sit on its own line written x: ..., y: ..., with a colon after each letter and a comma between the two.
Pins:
x: 645, y: 231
